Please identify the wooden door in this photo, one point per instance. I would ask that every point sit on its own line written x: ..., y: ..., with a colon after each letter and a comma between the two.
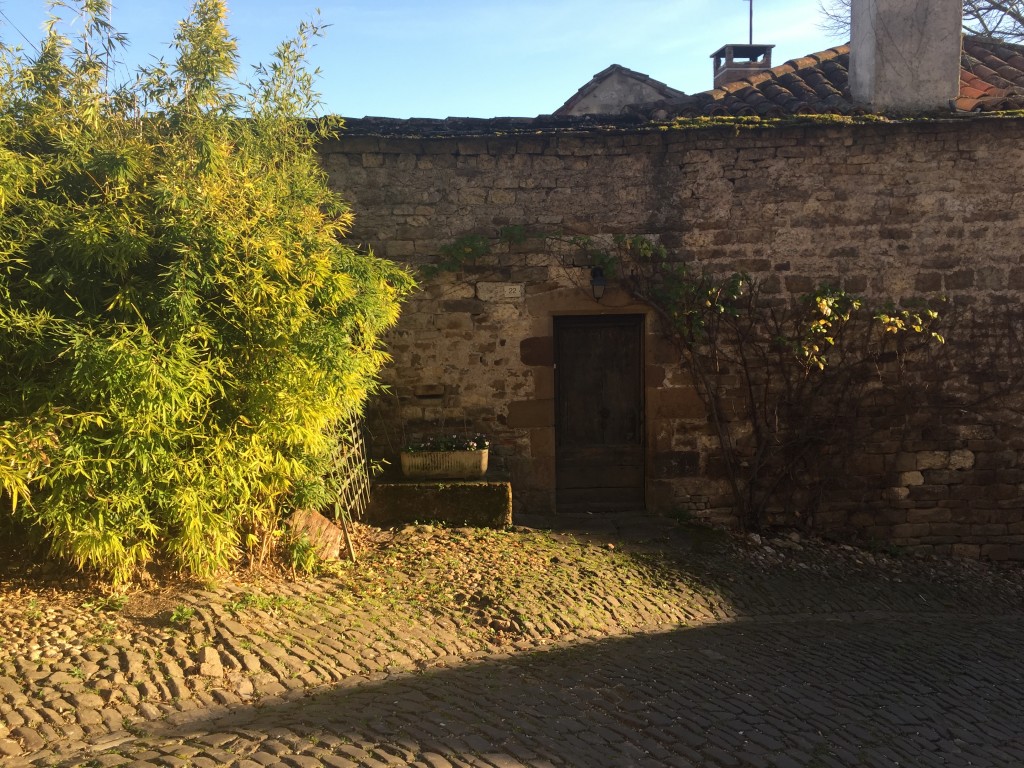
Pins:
x: 599, y: 414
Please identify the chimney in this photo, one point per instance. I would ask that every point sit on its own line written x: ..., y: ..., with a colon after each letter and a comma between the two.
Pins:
x: 905, y: 54
x: 736, y: 62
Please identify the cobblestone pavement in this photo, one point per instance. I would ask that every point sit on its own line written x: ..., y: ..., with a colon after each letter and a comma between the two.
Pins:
x: 776, y: 654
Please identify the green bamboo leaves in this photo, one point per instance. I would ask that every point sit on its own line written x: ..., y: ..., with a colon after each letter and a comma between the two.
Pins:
x: 181, y: 327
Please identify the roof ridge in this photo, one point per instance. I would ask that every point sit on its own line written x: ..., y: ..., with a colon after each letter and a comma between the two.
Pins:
x: 591, y: 85
x: 991, y: 78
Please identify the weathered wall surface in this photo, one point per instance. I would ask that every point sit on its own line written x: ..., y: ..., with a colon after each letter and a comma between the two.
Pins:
x: 614, y: 93
x: 916, y: 209
x: 905, y: 54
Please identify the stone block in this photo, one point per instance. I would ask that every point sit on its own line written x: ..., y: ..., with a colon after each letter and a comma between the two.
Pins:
x: 902, y: 462
x: 995, y: 551
x: 1002, y: 492
x: 676, y: 464
x: 961, y: 459
x: 662, y: 496
x: 428, y: 391
x: 543, y: 383
x: 662, y: 351
x: 799, y: 284
x: 897, y: 493
x: 459, y: 322
x: 499, y: 292
x: 986, y: 530
x: 867, y: 464
x: 971, y: 515
x: 944, y: 477
x: 676, y: 403
x: 501, y: 197
x: 537, y: 350
x: 910, y: 530
x: 324, y: 536
x: 542, y: 472
x: 1013, y: 476
x: 951, y: 530
x: 967, y: 551
x: 995, y: 460
x: 1009, y: 516
x: 932, y: 459
x: 654, y: 376
x: 933, y: 515
x: 466, y: 306
x: 542, y: 442
x: 987, y: 445
x: 888, y: 516
x: 862, y: 519
x: 929, y: 492
x: 208, y: 662
x: 966, y: 492
x: 531, y: 413
x: 911, y: 478
x: 474, y: 503
x: 399, y: 249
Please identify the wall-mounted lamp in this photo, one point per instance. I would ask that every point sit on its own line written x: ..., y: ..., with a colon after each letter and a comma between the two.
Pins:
x: 598, y: 282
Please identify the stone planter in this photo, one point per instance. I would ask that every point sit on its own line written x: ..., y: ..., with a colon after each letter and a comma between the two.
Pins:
x: 447, y: 465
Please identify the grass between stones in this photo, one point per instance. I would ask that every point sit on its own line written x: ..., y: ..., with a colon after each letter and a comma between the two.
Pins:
x: 518, y: 582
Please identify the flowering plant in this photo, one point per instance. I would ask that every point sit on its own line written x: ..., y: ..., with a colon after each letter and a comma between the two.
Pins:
x: 477, y: 442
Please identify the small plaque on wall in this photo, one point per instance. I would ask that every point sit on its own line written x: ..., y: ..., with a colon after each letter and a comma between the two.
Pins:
x: 486, y: 291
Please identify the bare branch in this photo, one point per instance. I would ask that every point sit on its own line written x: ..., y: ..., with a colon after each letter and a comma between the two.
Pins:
x: 999, y: 19
x: 835, y: 17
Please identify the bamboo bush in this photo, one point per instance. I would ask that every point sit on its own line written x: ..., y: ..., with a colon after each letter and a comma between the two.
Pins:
x: 181, y: 327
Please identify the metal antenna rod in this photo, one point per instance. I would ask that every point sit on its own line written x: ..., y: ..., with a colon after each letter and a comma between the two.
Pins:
x: 751, y: 40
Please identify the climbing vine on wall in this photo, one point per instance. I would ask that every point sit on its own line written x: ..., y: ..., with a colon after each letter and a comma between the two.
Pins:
x: 786, y: 380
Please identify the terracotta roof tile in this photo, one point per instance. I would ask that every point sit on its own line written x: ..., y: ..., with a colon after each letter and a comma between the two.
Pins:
x: 805, y: 62
x: 991, y: 78
x: 1010, y: 73
x: 986, y: 74
x: 760, y: 77
x: 967, y: 104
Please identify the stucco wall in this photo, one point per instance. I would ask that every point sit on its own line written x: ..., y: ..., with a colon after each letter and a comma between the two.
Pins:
x: 614, y: 93
x: 888, y: 210
x: 905, y: 54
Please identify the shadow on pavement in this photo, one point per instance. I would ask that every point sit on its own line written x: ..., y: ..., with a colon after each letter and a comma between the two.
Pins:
x: 917, y: 691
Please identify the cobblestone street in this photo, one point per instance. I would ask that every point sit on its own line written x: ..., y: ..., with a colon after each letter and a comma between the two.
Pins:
x: 917, y: 673
x: 866, y: 691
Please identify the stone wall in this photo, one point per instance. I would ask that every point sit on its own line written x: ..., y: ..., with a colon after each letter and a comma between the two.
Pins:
x: 889, y: 210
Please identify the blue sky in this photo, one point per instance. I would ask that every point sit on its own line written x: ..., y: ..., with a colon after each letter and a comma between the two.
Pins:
x: 482, y: 58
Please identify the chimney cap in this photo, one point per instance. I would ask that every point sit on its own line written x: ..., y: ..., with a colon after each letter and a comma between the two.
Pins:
x: 741, y: 51
x: 739, y: 60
